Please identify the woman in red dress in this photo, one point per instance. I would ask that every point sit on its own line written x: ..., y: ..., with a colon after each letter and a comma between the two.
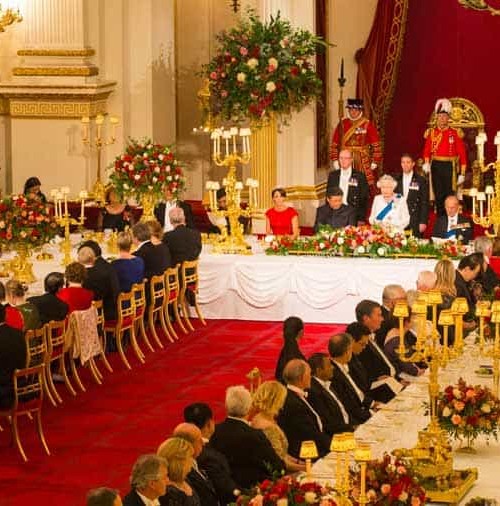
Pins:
x: 77, y: 297
x: 282, y: 219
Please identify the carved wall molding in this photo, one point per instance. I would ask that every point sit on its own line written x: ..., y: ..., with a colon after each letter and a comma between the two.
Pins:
x: 57, y: 52
x: 84, y: 71
x: 54, y: 109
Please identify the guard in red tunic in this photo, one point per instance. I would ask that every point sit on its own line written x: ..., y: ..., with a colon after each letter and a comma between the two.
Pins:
x: 359, y: 135
x: 444, y: 156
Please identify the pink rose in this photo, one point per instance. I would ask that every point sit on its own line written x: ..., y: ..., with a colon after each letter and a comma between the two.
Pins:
x: 243, y: 51
x: 456, y: 419
x: 459, y: 406
x: 470, y: 393
x: 213, y: 75
x: 385, y: 489
x: 223, y: 93
x: 415, y: 501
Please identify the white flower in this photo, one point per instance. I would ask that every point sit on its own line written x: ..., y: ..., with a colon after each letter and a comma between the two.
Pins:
x: 403, y: 496
x: 457, y: 393
x: 176, y: 177
x: 157, y: 169
x: 137, y: 177
x: 340, y: 240
x: 486, y: 408
x: 169, y: 178
x: 269, y: 238
x: 161, y: 156
x: 154, y: 179
x: 150, y: 187
x: 241, y: 77
x: 381, y: 252
x: 310, y: 497
x: 252, y: 63
x: 446, y: 412
x: 284, y: 42
x: 298, y: 62
x: 149, y: 146
x: 145, y: 155
x: 126, y: 186
x: 321, y: 245
x: 361, y: 249
x: 273, y: 62
x: 404, y: 242
x: 304, y: 71
x: 270, y: 86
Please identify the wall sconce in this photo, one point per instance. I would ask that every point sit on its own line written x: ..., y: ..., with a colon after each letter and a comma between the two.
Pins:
x: 235, y: 4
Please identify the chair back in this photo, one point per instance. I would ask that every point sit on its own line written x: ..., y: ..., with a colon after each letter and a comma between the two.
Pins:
x: 83, y: 327
x: 36, y: 347
x: 172, y: 285
x: 28, y: 389
x: 139, y: 292
x: 56, y: 338
x: 189, y: 275
x: 157, y: 291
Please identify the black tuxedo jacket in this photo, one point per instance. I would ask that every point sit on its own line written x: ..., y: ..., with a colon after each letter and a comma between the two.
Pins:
x: 336, y: 218
x: 357, y: 195
x: 489, y: 279
x: 417, y: 201
x: 441, y: 228
x: 358, y: 413
x: 183, y: 243
x: 373, y: 363
x: 299, y: 424
x: 389, y: 323
x: 132, y: 499
x: 49, y: 307
x: 216, y: 467
x: 289, y: 351
x: 203, y: 487
x: 156, y: 258
x: 12, y: 357
x: 463, y: 290
x: 328, y: 409
x: 159, y: 212
x: 249, y: 453
x: 382, y: 393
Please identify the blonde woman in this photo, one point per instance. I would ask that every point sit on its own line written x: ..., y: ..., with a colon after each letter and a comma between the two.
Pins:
x: 267, y: 402
x: 179, y: 456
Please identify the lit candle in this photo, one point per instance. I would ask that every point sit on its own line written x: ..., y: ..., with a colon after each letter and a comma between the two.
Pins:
x: 213, y: 136
x: 85, y: 127
x: 481, y: 197
x: 497, y: 144
x: 227, y: 136
x: 59, y: 204
x: 83, y: 196
x: 99, y: 120
x: 114, y: 122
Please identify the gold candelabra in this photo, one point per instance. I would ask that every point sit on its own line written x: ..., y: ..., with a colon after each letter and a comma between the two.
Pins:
x: 343, y: 444
x: 97, y: 142
x: 484, y: 311
x: 8, y: 17
x: 64, y: 219
x: 231, y: 239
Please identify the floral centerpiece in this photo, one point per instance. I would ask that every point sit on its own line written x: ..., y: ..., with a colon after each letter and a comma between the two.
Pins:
x: 287, y: 490
x: 467, y: 411
x: 144, y: 170
x: 390, y: 482
x: 263, y: 68
x: 366, y: 240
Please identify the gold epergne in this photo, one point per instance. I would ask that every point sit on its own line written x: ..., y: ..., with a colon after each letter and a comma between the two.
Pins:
x: 232, y: 241
x: 98, y: 142
x: 483, y: 311
x: 363, y: 455
x: 432, y: 455
x: 64, y: 219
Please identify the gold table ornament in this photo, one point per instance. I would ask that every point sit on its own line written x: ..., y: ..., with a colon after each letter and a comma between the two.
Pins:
x: 308, y: 451
x: 342, y: 444
x: 494, y: 352
x: 363, y: 455
x: 21, y: 265
x: 482, y: 312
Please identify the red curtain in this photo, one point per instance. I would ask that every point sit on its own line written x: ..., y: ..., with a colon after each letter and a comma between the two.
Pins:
x: 449, y: 51
x: 378, y: 61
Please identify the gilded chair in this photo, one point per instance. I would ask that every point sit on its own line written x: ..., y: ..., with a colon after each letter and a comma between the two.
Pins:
x: 157, y: 296
x: 139, y: 291
x: 123, y: 323
x: 189, y: 291
x: 171, y: 306
x: 28, y: 399
x: 100, y: 332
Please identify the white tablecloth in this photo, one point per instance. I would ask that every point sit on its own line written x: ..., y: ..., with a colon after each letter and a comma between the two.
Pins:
x: 316, y: 289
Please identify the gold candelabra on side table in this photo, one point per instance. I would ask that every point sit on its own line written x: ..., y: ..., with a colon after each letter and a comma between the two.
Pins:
x: 64, y: 219
x: 8, y: 17
x: 231, y: 239
x: 97, y: 142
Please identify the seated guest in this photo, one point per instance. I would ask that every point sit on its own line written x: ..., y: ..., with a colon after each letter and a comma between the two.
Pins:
x: 453, y: 225
x: 129, y: 268
x: 414, y: 188
x: 197, y: 479
x: 50, y: 307
x: 74, y: 295
x: 268, y: 400
x: 343, y: 385
x: 103, y: 496
x: 389, y: 209
x: 178, y: 453
x: 426, y: 281
x: 219, y: 222
x: 32, y: 190
x: 20, y: 314
x: 390, y: 296
x: 148, y: 481
x: 249, y: 453
x: 156, y: 258
x: 156, y: 231
x: 12, y: 357
x: 334, y: 213
x: 323, y: 399
x: 494, y: 260
x: 468, y: 269
x: 298, y: 419
x: 115, y: 215
x: 445, y: 283
x: 170, y: 200
x: 293, y: 330
x: 101, y: 279
x: 353, y: 185
x: 182, y: 242
x: 489, y: 279
x: 282, y: 219
x: 213, y: 463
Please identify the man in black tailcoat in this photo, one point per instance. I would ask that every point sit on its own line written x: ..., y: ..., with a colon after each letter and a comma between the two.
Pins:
x: 334, y: 213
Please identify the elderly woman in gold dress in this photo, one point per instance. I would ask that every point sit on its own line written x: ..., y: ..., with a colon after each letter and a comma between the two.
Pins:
x: 267, y: 402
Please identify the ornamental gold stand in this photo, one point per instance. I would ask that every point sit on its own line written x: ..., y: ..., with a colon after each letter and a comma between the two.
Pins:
x: 432, y: 455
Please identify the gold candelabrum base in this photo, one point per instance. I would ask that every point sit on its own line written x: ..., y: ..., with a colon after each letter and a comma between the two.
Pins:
x: 21, y: 265
x: 65, y: 220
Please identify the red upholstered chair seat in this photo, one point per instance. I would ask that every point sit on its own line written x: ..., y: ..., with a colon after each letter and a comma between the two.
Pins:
x: 111, y: 324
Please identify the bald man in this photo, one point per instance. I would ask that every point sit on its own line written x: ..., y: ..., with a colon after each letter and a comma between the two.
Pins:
x: 453, y: 224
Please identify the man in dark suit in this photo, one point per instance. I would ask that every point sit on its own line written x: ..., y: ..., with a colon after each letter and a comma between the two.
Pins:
x: 390, y: 296
x: 414, y: 188
x: 323, y: 399
x: 488, y: 277
x: 182, y: 242
x: 298, y: 419
x: 468, y: 269
x: 200, y: 482
x: 334, y: 212
x: 149, y: 480
x: 353, y: 185
x: 103, y: 496
x: 156, y: 257
x: 218, y: 222
x: 344, y: 386
x: 249, y: 453
x: 212, y: 462
x: 453, y: 225
x: 49, y: 306
x: 170, y: 201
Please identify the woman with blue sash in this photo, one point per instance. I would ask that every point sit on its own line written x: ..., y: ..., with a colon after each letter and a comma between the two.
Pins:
x: 389, y: 209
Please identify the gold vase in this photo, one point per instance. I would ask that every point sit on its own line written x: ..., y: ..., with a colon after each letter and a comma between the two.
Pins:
x: 22, y: 267
x: 148, y: 201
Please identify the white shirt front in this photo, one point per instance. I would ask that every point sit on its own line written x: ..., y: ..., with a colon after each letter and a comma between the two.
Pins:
x: 345, y: 370
x: 452, y: 222
x: 326, y: 386
x: 167, y: 226
x: 392, y: 369
x: 148, y: 502
x: 407, y: 177
x: 345, y: 177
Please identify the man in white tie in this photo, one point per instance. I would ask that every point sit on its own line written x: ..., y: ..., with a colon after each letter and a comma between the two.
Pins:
x: 453, y: 225
x: 298, y: 419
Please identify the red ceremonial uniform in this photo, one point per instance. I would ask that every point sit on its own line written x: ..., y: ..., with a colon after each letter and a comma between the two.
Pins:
x: 444, y: 145
x: 361, y: 138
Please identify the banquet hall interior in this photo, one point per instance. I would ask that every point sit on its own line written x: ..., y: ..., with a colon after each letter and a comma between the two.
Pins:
x: 83, y: 80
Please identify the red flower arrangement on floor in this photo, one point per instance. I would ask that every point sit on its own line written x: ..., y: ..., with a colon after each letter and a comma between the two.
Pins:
x: 467, y: 411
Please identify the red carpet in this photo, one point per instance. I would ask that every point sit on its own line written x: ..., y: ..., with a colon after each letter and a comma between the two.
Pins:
x: 95, y: 437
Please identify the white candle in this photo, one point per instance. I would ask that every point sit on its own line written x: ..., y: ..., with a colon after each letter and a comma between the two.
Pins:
x: 85, y: 127
x: 99, y: 120
x: 497, y: 144
x: 59, y: 204
x: 65, y: 205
